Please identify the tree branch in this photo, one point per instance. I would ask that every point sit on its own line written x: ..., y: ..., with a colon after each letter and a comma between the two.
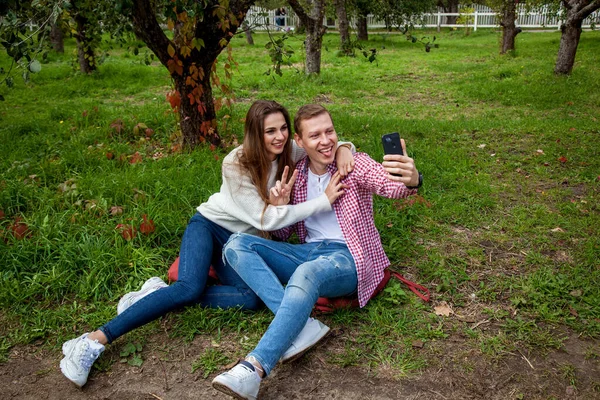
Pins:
x: 146, y: 27
x: 584, y: 12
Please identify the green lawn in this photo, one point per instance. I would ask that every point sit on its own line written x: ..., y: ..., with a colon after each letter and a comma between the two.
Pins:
x: 507, y: 224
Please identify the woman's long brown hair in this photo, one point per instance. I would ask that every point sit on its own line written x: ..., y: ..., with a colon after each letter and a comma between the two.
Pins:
x: 254, y: 157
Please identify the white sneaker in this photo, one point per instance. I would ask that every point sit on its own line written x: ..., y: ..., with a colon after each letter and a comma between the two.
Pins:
x: 241, y: 382
x: 80, y: 353
x: 151, y: 285
x: 311, y: 334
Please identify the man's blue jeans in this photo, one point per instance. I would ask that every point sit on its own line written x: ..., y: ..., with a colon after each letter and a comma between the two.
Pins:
x: 201, y: 246
x: 311, y: 270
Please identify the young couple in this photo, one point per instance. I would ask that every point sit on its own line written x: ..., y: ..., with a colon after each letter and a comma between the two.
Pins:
x: 250, y: 201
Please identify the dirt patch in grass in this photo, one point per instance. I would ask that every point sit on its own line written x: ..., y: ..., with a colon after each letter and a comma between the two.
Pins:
x: 456, y: 371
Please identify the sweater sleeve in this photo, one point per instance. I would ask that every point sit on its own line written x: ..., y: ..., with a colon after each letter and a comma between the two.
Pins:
x: 243, y: 202
x: 371, y: 175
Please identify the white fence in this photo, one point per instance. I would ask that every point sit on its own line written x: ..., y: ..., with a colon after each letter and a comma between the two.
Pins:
x: 483, y: 17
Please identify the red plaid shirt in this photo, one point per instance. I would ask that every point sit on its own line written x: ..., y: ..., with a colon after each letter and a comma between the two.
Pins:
x: 354, y: 212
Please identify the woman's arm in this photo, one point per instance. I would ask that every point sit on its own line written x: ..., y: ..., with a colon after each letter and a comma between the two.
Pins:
x: 244, y: 203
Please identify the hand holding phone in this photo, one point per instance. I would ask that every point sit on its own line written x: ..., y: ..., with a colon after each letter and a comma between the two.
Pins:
x: 400, y: 167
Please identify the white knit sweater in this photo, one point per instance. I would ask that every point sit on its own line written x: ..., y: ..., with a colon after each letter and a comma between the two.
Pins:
x: 239, y: 208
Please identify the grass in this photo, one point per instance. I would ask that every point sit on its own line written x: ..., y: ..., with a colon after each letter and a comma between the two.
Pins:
x: 506, y: 228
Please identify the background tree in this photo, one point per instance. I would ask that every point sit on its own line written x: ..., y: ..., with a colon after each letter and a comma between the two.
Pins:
x: 449, y: 6
x: 576, y: 12
x: 57, y: 36
x: 399, y: 14
x: 507, y: 15
x: 86, y: 17
x: 312, y: 19
x: 23, y: 29
x: 343, y: 26
x: 201, y: 31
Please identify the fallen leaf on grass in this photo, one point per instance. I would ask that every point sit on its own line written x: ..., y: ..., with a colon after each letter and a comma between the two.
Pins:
x: 136, y: 158
x: 20, y: 229
x: 116, y: 210
x: 141, y: 127
x: 557, y: 229
x: 127, y: 231
x: 117, y: 125
x: 539, y: 151
x: 563, y: 159
x: 147, y: 227
x: 576, y: 293
x: 443, y: 309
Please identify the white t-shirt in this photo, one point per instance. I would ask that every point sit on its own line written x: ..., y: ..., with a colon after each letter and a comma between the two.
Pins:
x: 323, y: 225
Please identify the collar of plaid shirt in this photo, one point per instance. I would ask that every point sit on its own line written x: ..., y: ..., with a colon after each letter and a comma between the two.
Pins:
x: 354, y: 212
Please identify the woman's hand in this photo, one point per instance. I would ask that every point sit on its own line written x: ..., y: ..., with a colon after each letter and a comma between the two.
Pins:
x: 279, y: 195
x: 401, y: 165
x: 344, y: 160
x: 335, y: 188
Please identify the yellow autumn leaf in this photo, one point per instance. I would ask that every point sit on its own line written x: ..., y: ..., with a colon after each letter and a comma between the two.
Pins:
x: 171, y: 50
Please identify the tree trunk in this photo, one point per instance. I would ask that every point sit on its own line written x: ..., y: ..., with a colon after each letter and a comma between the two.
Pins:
x: 577, y: 11
x: 191, y: 68
x: 85, y: 52
x: 509, y: 29
x: 449, y: 6
x: 569, y: 40
x: 198, y: 120
x: 248, y: 33
x: 362, y: 33
x: 315, y: 30
x: 56, y: 38
x: 343, y: 26
x: 452, y: 8
x: 313, y: 44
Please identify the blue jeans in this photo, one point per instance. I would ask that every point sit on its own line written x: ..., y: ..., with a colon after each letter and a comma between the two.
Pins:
x: 201, y: 246
x: 311, y: 270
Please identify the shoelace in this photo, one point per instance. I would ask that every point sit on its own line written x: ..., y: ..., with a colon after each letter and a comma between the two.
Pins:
x: 240, y: 373
x: 88, y: 357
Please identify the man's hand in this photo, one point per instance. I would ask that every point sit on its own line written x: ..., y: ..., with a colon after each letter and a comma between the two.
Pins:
x: 335, y: 188
x: 344, y: 160
x: 401, y: 165
x: 279, y: 195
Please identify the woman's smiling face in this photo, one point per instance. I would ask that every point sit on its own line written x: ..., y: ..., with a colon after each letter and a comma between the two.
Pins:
x: 275, y: 134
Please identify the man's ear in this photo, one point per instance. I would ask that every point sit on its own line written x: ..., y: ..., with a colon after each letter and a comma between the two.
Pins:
x: 298, y: 140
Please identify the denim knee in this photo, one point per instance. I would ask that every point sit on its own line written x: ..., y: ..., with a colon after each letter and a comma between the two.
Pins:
x: 183, y: 294
x: 237, y: 242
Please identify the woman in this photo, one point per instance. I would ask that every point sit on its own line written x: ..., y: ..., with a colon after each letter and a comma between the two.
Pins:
x: 248, y: 172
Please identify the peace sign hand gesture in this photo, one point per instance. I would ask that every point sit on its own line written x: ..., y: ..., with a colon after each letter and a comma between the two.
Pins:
x: 279, y: 195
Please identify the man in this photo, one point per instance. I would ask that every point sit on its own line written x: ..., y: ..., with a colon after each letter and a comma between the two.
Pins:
x: 340, y: 255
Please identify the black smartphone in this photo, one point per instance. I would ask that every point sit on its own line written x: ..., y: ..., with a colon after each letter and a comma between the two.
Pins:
x: 391, y: 143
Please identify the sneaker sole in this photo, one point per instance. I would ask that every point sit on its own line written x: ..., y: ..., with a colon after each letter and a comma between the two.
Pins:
x: 300, y: 353
x: 63, y: 369
x: 221, y: 387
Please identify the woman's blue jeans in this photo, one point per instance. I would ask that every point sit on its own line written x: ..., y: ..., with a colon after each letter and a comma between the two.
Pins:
x: 311, y: 270
x: 201, y: 246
